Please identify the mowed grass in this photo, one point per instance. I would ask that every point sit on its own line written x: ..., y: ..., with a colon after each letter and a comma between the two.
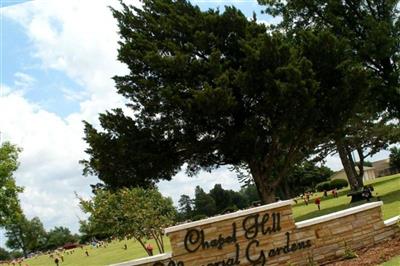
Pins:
x: 393, y: 262
x: 388, y: 188
x: 111, y: 254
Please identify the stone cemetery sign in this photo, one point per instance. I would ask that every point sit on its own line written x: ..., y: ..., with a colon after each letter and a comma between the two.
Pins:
x: 268, y: 235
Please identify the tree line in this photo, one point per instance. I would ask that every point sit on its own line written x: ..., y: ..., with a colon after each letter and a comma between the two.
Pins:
x: 303, y: 179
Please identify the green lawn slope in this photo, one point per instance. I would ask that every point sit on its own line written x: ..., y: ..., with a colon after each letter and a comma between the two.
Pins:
x: 387, y: 188
x: 393, y: 262
x: 113, y: 253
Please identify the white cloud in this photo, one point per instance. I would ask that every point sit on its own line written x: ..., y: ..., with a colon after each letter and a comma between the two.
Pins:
x: 23, y: 81
x: 4, y: 90
x: 182, y: 184
x: 49, y: 168
x: 75, y: 96
x: 78, y: 38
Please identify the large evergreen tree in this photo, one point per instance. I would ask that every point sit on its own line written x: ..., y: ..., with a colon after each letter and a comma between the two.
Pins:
x: 372, y: 29
x: 210, y: 89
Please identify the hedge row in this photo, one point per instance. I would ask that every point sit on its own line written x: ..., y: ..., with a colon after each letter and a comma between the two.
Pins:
x: 329, y: 185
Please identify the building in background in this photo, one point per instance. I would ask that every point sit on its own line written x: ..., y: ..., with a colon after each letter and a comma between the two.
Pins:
x: 382, y: 168
x: 369, y: 174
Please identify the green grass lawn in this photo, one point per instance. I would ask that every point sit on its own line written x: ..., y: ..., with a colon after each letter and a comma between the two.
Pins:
x: 393, y: 262
x: 388, y: 188
x: 113, y: 253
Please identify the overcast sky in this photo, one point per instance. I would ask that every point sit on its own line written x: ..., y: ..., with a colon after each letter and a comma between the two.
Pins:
x: 57, y: 60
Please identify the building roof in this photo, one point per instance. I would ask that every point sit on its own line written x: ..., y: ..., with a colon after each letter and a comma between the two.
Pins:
x: 366, y: 168
x: 382, y: 161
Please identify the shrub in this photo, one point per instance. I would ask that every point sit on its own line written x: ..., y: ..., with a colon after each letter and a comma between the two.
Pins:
x: 323, y: 186
x: 339, y: 183
x: 199, y: 217
x: 349, y: 253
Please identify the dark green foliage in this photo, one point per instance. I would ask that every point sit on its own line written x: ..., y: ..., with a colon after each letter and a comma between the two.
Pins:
x: 210, y: 89
x: 395, y: 157
x: 147, y: 159
x: 136, y: 213
x: 25, y: 235
x: 250, y: 194
x: 221, y: 197
x: 367, y: 163
x: 185, y: 208
x: 304, y: 178
x: 339, y: 183
x: 15, y: 254
x: 238, y: 200
x: 371, y: 27
x: 4, y: 254
x: 58, y: 237
x: 204, y: 204
x: 329, y: 185
x: 88, y: 232
x: 323, y: 186
x: 217, y: 201
x: 199, y: 217
x: 8, y: 189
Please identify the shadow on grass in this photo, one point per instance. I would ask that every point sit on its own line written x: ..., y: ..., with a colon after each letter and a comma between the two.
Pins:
x: 387, y: 198
x: 390, y: 197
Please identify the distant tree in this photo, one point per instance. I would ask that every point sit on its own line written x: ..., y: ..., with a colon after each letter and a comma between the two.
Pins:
x: 15, y: 254
x: 250, y: 193
x: 210, y: 89
x: 25, y: 235
x: 365, y: 135
x: 88, y: 232
x: 185, y: 207
x: 367, y: 164
x: 238, y: 200
x: 58, y: 237
x: 304, y: 178
x: 130, y: 213
x: 222, y: 198
x: 8, y: 189
x: 4, y: 254
x: 217, y: 201
x: 395, y: 157
x: 204, y: 204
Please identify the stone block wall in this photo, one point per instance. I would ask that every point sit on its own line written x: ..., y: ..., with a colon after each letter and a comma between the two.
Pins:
x: 268, y: 235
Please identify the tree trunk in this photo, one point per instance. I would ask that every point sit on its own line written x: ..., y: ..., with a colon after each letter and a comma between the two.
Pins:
x: 265, y: 188
x: 347, y: 165
x: 266, y: 193
x: 143, y: 245
x: 360, y: 175
x: 158, y: 242
x: 287, y: 190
